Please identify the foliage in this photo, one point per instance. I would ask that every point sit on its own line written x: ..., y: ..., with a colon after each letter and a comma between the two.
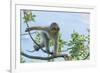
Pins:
x: 77, y: 48
x: 37, y: 37
x: 28, y: 16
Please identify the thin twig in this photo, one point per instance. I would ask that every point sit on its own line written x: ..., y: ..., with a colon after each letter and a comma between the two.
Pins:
x: 27, y: 33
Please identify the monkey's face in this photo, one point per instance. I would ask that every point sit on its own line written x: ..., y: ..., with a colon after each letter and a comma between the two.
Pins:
x: 54, y: 28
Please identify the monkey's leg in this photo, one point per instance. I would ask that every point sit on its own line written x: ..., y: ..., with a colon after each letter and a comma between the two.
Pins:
x: 56, y: 45
x: 46, y: 41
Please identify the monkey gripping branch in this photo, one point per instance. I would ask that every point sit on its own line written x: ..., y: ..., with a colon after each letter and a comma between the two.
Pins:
x: 52, y: 30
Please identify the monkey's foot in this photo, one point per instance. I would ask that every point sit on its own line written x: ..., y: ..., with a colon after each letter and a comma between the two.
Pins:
x: 36, y: 47
x: 54, y: 54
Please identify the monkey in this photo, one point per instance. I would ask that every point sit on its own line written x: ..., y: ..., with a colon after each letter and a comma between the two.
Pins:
x: 48, y: 33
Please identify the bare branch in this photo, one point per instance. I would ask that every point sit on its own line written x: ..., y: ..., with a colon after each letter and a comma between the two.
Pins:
x: 44, y: 58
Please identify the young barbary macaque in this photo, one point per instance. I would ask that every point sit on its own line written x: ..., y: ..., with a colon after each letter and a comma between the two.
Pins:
x: 48, y: 33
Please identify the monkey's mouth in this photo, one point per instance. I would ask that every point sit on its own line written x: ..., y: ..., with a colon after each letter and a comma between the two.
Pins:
x: 55, y: 29
x: 54, y: 32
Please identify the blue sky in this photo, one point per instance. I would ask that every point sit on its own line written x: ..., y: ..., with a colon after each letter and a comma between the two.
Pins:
x: 67, y: 21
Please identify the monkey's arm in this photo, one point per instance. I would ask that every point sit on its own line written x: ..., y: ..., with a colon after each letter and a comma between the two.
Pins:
x: 36, y: 28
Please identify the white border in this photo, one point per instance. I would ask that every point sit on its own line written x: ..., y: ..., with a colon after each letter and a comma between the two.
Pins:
x: 15, y: 64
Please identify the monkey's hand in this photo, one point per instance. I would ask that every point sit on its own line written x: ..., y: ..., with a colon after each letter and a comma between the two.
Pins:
x: 27, y: 29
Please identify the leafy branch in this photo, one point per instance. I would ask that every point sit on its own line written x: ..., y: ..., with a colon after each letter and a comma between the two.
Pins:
x: 77, y: 47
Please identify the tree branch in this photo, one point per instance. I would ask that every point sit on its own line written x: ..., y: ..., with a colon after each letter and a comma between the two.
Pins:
x: 44, y: 58
x: 86, y: 56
